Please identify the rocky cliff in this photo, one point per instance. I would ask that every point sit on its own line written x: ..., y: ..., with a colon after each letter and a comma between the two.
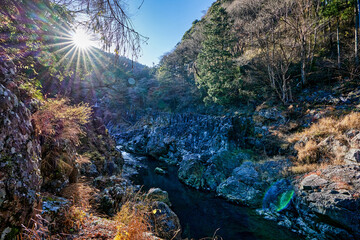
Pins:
x: 32, y: 169
x: 171, y: 136
x: 20, y: 179
x: 206, y: 148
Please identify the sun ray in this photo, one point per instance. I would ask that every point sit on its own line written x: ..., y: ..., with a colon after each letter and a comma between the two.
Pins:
x: 64, y: 48
x: 81, y: 39
x: 74, y: 53
x: 65, y: 56
x: 94, y: 67
x: 101, y: 62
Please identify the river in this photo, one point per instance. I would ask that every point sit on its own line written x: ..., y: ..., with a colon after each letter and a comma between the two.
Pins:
x: 201, y: 213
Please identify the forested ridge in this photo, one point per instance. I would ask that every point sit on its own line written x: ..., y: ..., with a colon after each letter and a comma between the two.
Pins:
x: 270, y: 49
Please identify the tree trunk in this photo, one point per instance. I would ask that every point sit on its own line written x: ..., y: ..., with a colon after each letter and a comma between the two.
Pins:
x: 312, y: 51
x: 338, y: 44
x: 356, y: 34
x: 330, y: 36
x: 303, y: 62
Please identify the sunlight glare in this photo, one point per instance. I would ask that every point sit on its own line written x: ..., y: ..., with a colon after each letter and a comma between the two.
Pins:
x: 81, y: 39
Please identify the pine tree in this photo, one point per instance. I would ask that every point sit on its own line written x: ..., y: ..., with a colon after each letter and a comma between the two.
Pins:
x: 217, y: 72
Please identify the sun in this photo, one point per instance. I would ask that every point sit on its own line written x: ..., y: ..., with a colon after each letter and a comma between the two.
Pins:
x: 81, y: 39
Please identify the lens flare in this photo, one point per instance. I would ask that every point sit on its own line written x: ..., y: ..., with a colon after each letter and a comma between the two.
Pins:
x: 278, y: 197
x: 284, y: 200
x: 81, y: 39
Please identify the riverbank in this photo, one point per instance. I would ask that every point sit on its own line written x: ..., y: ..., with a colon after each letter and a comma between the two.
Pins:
x: 201, y: 213
x: 210, y: 158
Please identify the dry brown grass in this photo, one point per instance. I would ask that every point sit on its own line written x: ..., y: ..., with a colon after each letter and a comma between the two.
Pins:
x: 95, y: 227
x: 81, y: 194
x: 36, y: 230
x: 133, y: 219
x: 82, y: 159
x: 132, y: 222
x: 310, y: 151
x: 350, y: 121
x: 301, y: 169
x: 329, y: 126
x: 71, y: 220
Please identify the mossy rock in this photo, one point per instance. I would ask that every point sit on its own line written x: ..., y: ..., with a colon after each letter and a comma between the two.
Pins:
x: 10, y: 233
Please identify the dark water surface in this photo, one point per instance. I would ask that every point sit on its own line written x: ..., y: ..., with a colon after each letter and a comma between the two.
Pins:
x: 201, y: 213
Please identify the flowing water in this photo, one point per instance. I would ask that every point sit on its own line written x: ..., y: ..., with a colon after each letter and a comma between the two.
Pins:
x: 201, y: 213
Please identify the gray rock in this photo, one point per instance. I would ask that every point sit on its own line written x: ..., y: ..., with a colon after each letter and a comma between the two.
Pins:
x: 164, y: 221
x: 243, y: 186
x: 248, y: 183
x: 19, y: 157
x: 312, y: 182
x: 156, y: 194
x: 191, y: 171
x: 213, y: 177
x: 162, y: 135
x: 159, y: 171
x: 273, y: 114
x: 330, y: 198
x: 353, y: 156
x: 239, y: 192
x: 172, y: 160
x: 113, y: 192
x: 88, y: 169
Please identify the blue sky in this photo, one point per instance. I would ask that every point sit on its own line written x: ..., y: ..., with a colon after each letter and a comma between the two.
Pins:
x: 164, y: 22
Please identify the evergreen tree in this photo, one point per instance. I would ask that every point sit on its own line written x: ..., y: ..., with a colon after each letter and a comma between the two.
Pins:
x: 217, y: 72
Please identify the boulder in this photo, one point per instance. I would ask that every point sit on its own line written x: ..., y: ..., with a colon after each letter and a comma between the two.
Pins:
x: 191, y: 170
x: 331, y: 197
x: 159, y: 171
x: 88, y: 169
x: 156, y: 145
x: 244, y: 186
x: 164, y: 221
x: 156, y: 194
x: 270, y: 114
x: 248, y: 183
x: 353, y: 156
x: 312, y: 182
x: 112, y: 194
x: 54, y: 211
x: 208, y: 172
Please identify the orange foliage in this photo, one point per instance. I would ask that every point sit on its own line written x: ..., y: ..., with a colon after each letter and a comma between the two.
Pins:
x: 56, y: 120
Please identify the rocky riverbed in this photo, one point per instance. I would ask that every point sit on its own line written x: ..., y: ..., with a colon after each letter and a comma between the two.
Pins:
x: 212, y: 155
x: 201, y: 214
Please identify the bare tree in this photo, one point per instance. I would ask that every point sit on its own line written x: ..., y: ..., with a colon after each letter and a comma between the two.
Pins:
x: 304, y: 24
x: 109, y: 19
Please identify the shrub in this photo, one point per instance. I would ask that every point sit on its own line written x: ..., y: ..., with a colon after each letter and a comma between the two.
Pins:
x: 56, y: 120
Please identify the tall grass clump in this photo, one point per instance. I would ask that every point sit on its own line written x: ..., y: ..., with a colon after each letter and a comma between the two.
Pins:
x: 133, y: 219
